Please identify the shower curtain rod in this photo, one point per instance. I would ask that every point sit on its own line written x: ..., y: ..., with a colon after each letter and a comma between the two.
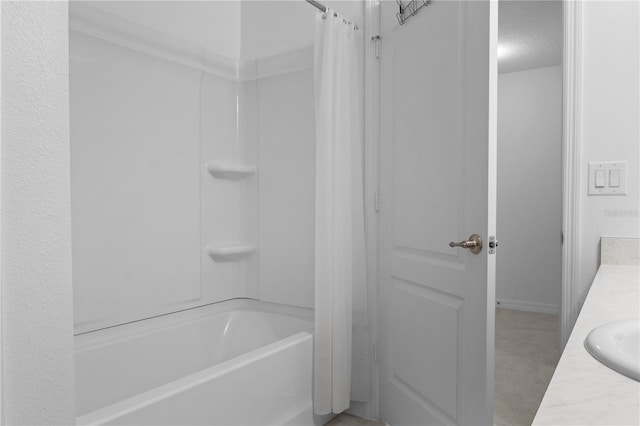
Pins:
x: 320, y: 6
x: 323, y: 8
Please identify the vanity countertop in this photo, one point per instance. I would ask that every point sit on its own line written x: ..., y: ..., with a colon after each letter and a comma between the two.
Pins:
x: 582, y: 390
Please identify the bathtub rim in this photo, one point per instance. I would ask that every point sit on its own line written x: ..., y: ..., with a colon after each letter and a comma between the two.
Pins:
x: 106, y: 336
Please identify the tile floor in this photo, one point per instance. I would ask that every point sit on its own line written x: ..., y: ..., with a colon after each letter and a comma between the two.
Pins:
x: 526, y: 356
x: 349, y: 420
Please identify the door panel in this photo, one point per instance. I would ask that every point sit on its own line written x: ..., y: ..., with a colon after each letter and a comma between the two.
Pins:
x: 416, y: 164
x: 437, y: 143
x: 434, y: 382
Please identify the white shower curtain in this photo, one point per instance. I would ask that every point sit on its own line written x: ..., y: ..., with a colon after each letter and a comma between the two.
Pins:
x: 340, y: 271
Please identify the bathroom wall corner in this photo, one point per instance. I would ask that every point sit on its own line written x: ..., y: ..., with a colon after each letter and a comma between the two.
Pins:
x: 37, y: 310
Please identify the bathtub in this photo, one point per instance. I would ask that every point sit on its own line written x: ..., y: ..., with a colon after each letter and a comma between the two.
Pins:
x: 240, y: 362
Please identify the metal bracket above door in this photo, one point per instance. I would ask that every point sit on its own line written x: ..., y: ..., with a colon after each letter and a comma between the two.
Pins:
x: 409, y: 8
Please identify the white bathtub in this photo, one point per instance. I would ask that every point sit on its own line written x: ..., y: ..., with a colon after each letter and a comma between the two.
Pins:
x: 240, y: 362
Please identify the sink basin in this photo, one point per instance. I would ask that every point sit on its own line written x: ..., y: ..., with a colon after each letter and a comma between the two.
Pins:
x: 617, y: 345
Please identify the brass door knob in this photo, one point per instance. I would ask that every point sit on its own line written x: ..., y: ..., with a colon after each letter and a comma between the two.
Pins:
x: 474, y: 244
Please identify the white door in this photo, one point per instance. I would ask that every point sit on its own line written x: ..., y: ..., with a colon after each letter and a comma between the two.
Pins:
x: 437, y: 174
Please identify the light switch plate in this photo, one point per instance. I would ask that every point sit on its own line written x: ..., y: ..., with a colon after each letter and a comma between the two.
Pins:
x: 600, y: 170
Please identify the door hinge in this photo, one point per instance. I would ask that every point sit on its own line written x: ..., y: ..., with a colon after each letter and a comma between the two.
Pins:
x: 376, y: 201
x: 374, y: 353
x: 493, y: 244
x: 376, y: 40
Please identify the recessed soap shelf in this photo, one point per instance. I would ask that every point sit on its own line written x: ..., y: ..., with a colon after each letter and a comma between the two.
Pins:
x: 226, y: 252
x: 230, y: 171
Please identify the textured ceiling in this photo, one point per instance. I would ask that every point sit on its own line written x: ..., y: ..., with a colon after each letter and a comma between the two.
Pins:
x: 529, y: 34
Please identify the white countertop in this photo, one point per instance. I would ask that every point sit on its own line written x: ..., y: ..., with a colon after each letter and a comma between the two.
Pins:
x: 582, y: 390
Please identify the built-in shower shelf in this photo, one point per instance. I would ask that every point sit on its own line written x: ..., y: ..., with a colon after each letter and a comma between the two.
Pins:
x: 230, y: 171
x: 230, y: 251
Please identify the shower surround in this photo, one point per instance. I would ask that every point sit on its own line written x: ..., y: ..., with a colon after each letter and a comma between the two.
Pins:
x: 193, y: 228
x: 181, y: 187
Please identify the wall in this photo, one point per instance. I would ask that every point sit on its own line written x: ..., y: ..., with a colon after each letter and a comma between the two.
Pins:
x: 229, y: 206
x: 610, y: 127
x: 148, y: 113
x: 212, y: 25
x: 287, y: 186
x: 282, y: 34
x: 147, y: 120
x: 247, y: 29
x: 152, y: 103
x: 529, y: 262
x: 135, y: 182
x: 37, y: 347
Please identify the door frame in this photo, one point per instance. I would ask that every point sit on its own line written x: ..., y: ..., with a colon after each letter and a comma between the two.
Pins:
x: 371, y: 102
x: 571, y: 179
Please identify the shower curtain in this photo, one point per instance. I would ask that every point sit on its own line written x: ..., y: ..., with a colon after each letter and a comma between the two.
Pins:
x: 340, y: 271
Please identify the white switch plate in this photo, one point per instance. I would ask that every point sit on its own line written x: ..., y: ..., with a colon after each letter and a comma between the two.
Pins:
x: 604, y: 169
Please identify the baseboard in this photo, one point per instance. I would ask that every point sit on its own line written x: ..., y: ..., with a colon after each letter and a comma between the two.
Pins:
x: 517, y: 305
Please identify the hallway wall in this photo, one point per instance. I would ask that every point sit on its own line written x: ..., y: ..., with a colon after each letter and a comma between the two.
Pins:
x: 529, y: 262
